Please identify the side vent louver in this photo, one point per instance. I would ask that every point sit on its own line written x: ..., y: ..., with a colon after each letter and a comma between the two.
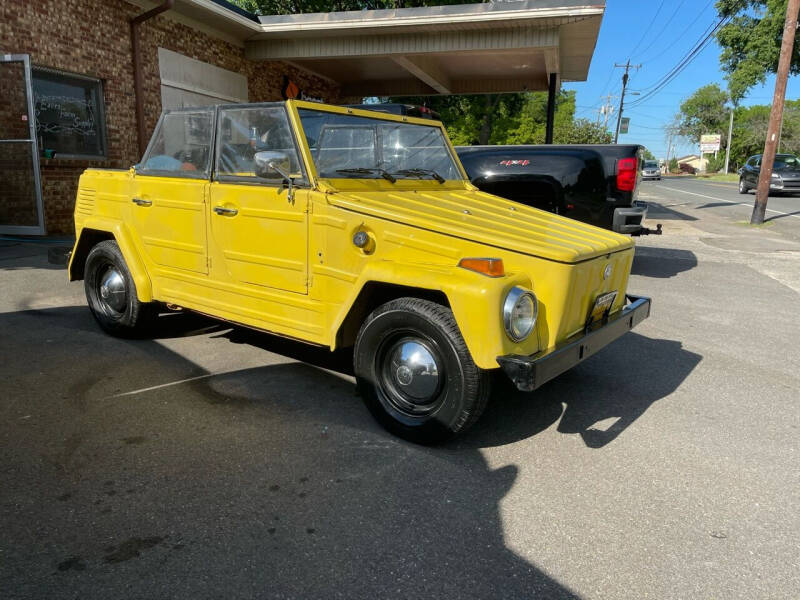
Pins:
x: 85, y: 202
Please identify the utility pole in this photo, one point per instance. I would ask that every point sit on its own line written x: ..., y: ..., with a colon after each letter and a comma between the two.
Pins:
x: 728, y: 148
x: 776, y: 114
x: 607, y: 109
x: 669, y: 145
x: 627, y: 66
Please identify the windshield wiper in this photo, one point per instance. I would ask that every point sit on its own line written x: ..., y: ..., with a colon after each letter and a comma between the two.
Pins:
x: 385, y: 174
x: 421, y: 172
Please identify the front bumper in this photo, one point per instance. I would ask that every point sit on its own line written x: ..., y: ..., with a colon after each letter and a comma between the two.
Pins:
x: 530, y: 372
x: 628, y: 219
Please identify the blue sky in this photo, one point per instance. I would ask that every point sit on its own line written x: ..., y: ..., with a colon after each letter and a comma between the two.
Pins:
x: 632, y: 29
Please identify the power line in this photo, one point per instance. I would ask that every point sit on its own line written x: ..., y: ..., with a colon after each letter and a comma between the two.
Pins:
x: 664, y: 28
x: 646, y: 31
x: 703, y: 38
x: 677, y: 69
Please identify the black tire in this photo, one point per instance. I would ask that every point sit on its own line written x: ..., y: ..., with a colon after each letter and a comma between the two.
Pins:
x: 743, y: 189
x: 449, y: 398
x: 111, y: 293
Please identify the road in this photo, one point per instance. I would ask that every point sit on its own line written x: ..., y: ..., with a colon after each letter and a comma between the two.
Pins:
x: 723, y: 198
x: 211, y: 462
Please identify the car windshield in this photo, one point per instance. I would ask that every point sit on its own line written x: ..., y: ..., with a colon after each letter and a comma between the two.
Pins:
x: 786, y: 161
x: 650, y: 164
x: 348, y: 146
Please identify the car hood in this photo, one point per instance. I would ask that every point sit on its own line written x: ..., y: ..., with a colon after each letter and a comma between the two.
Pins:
x: 487, y: 219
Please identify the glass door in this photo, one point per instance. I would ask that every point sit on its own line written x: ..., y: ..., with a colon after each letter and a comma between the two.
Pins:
x: 20, y: 185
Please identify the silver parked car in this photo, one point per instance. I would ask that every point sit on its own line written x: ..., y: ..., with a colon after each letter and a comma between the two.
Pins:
x: 651, y: 170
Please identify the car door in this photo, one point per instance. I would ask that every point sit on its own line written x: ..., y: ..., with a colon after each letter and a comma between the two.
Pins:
x: 754, y: 170
x: 168, y: 192
x: 258, y: 225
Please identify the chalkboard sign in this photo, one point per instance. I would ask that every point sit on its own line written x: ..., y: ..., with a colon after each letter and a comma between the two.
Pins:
x: 69, y: 114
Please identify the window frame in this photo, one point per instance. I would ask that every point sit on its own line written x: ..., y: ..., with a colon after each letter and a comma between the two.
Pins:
x: 101, y: 110
x: 200, y: 175
x: 423, y: 122
x: 302, y: 182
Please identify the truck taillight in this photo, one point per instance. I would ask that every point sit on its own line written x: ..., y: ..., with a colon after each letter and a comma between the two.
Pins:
x: 626, y: 174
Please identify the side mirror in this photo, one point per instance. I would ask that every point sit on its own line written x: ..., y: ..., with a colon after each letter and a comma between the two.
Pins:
x: 268, y: 164
x: 740, y: 170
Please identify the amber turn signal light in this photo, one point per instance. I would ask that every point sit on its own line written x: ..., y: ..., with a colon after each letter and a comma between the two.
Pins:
x: 491, y: 267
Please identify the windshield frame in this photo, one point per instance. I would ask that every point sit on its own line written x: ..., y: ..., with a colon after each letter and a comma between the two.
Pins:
x: 346, y: 182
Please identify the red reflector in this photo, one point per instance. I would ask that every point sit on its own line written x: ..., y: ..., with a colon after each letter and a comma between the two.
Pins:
x: 626, y: 174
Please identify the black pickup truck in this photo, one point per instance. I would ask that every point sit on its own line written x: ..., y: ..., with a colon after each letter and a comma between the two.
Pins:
x: 596, y: 184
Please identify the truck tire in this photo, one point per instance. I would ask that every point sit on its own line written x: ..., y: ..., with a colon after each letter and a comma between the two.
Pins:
x: 111, y: 293
x: 415, y: 374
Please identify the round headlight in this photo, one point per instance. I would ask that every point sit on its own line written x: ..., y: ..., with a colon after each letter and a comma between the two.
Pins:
x: 519, y: 313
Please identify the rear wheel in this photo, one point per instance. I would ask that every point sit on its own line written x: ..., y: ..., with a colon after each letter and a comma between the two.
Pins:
x: 111, y: 293
x: 743, y: 189
x: 415, y: 374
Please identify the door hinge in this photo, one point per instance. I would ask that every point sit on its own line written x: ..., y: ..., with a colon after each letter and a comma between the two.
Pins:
x: 208, y: 262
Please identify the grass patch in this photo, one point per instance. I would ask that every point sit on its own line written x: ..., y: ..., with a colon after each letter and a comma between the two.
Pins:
x: 747, y: 224
x: 720, y: 177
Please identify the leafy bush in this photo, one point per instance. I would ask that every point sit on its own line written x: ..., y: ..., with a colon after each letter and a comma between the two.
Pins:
x: 687, y: 168
x: 673, y: 165
x: 715, y: 165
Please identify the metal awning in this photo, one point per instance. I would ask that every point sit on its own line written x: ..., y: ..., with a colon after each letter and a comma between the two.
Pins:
x: 469, y: 48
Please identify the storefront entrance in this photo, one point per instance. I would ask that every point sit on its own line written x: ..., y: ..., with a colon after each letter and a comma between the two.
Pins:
x: 20, y: 187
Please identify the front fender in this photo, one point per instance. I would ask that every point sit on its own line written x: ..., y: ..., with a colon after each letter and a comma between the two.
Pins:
x: 476, y: 301
x: 144, y: 287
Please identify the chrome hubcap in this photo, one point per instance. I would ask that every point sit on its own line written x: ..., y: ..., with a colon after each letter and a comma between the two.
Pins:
x: 411, y: 375
x: 112, y: 290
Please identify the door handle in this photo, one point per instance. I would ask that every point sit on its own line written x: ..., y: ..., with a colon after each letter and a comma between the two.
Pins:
x: 227, y: 212
x: 141, y: 202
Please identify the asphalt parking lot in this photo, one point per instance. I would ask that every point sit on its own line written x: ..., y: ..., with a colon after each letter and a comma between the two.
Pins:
x: 213, y: 462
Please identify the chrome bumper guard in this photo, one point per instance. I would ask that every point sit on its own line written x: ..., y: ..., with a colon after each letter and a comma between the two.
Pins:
x: 531, y: 372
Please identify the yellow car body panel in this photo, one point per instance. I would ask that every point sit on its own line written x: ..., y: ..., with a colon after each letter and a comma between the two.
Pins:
x: 286, y: 262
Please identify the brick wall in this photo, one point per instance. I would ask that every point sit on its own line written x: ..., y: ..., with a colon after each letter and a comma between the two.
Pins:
x: 91, y: 37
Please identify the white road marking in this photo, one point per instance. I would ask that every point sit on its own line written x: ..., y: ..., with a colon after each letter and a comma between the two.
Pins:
x: 728, y: 201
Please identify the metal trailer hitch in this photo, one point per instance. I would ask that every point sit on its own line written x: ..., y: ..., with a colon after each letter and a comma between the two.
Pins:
x: 648, y: 231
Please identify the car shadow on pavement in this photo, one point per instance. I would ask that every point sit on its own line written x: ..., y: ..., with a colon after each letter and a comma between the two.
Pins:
x: 126, y: 466
x: 26, y: 255
x: 597, y: 400
x: 658, y: 212
x: 662, y: 262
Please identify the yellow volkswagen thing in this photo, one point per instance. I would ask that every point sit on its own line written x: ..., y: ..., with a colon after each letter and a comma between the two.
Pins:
x: 349, y: 228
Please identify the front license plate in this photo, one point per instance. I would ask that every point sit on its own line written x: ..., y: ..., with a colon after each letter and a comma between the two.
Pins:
x: 602, y: 304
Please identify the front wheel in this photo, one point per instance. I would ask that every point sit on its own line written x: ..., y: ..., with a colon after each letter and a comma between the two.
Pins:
x: 415, y: 373
x: 111, y: 293
x: 743, y: 189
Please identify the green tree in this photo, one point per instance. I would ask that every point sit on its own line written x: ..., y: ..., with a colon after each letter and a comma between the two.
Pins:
x: 751, y: 42
x: 648, y: 155
x: 704, y: 112
x: 510, y: 119
x: 750, y: 131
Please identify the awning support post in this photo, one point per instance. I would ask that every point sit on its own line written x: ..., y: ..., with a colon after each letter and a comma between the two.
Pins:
x: 551, y: 109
